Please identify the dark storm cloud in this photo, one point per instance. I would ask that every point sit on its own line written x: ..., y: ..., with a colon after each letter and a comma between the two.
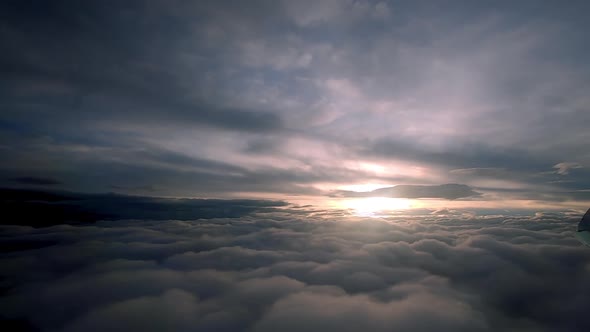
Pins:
x: 92, y: 83
x: 104, y: 62
x: 466, y: 156
x: 445, y: 191
x: 36, y: 181
x: 277, y: 272
x: 41, y: 209
x: 172, y: 158
x: 223, y: 97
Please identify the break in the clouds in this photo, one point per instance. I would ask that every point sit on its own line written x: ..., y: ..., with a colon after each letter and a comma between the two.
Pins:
x: 278, y: 271
x: 297, y: 98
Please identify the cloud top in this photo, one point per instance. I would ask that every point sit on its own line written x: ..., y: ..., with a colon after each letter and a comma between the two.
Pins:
x: 282, y: 272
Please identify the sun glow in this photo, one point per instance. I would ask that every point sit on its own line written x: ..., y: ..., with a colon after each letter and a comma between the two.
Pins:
x: 376, y: 206
x: 364, y: 187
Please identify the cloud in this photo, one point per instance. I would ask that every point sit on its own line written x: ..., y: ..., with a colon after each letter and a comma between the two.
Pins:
x: 488, y: 172
x: 314, y: 13
x: 279, y: 271
x: 141, y: 91
x: 36, y: 181
x: 470, y: 156
x: 341, y: 312
x: 41, y: 209
x: 169, y: 312
x: 565, y: 167
x: 445, y: 191
x: 220, y: 98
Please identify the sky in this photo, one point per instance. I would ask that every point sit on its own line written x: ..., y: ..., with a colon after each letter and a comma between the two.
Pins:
x: 326, y: 165
x: 300, y: 100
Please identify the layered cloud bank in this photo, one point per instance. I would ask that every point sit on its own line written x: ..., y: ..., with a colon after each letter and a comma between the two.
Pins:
x: 273, y: 98
x: 46, y: 208
x: 446, y: 191
x: 279, y: 272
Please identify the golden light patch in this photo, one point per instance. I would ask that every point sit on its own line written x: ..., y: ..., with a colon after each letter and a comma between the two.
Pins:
x: 375, y: 206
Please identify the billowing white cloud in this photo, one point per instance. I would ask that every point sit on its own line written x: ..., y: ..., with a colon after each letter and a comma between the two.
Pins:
x: 275, y: 271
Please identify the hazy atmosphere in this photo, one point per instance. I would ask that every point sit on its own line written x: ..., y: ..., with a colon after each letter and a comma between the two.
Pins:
x: 333, y: 165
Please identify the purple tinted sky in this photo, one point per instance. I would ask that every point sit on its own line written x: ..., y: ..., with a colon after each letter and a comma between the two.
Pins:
x: 287, y: 99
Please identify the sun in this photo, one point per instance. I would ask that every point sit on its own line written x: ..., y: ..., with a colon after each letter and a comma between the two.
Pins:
x: 376, y: 206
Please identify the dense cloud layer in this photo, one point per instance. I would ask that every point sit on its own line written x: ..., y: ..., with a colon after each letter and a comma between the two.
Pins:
x: 46, y: 208
x: 278, y: 272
